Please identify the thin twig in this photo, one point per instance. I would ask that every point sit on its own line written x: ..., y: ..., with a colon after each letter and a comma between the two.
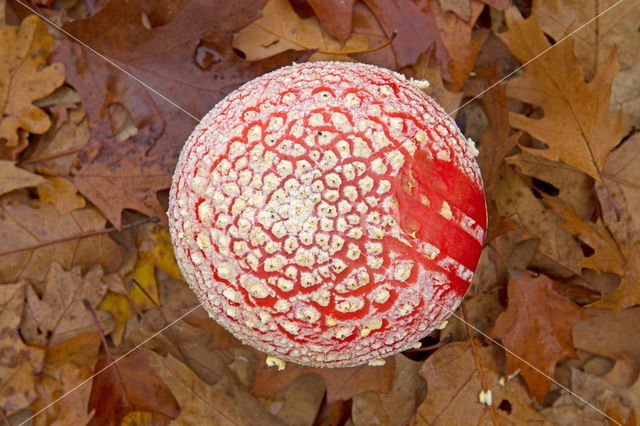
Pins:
x: 483, y: 379
x: 94, y: 315
x: 50, y: 156
x: 357, y: 51
x: 78, y: 236
x: 4, y: 417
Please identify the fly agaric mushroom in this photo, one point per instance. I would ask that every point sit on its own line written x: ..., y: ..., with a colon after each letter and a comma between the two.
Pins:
x: 329, y: 214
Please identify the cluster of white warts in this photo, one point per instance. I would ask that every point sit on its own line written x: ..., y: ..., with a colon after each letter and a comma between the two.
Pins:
x: 301, y: 212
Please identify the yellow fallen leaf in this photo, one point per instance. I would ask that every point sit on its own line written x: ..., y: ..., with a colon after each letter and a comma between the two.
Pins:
x: 144, y: 273
x: 154, y: 244
x: 118, y: 305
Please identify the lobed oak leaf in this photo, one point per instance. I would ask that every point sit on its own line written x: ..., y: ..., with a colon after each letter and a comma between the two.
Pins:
x: 454, y: 386
x: 615, y: 30
x: 517, y: 204
x: 128, y: 385
x: 537, y: 327
x: 203, y: 349
x: 20, y: 363
x: 70, y: 410
x: 564, y: 183
x: 577, y: 127
x: 25, y: 78
x: 56, y: 150
x: 225, y: 402
x: 59, y: 313
x: 189, y: 60
x: 62, y: 193
x: 342, y: 383
x: 280, y: 29
x: 607, y: 255
x: 12, y: 177
x: 620, y: 200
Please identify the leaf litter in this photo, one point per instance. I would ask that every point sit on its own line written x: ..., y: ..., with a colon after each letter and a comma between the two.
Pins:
x: 87, y: 154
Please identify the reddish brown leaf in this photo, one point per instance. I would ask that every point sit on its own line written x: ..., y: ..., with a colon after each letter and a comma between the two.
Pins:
x: 461, y: 42
x: 342, y: 383
x: 416, y: 28
x: 453, y: 388
x: 495, y: 142
x: 129, y: 385
x: 173, y: 60
x: 614, y: 335
x: 335, y: 16
x: 537, y: 327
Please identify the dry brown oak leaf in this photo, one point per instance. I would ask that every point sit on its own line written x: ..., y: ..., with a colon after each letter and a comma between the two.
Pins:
x: 12, y: 177
x: 29, y: 224
x: 608, y: 256
x: 224, y: 403
x: 619, y: 197
x: 130, y: 384
x: 70, y: 410
x: 189, y: 60
x: 613, y: 335
x: 280, y: 29
x: 537, y: 327
x: 454, y: 387
x: 342, y: 383
x: 20, y: 363
x: 59, y: 313
x: 615, y: 30
x: 24, y: 78
x: 577, y: 125
x: 517, y: 204
x: 462, y: 8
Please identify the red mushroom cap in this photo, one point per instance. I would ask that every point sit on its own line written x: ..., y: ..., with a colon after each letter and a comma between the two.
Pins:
x: 328, y: 213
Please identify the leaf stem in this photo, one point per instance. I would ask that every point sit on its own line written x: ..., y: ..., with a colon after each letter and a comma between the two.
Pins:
x: 483, y: 379
x: 356, y: 51
x: 77, y: 236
